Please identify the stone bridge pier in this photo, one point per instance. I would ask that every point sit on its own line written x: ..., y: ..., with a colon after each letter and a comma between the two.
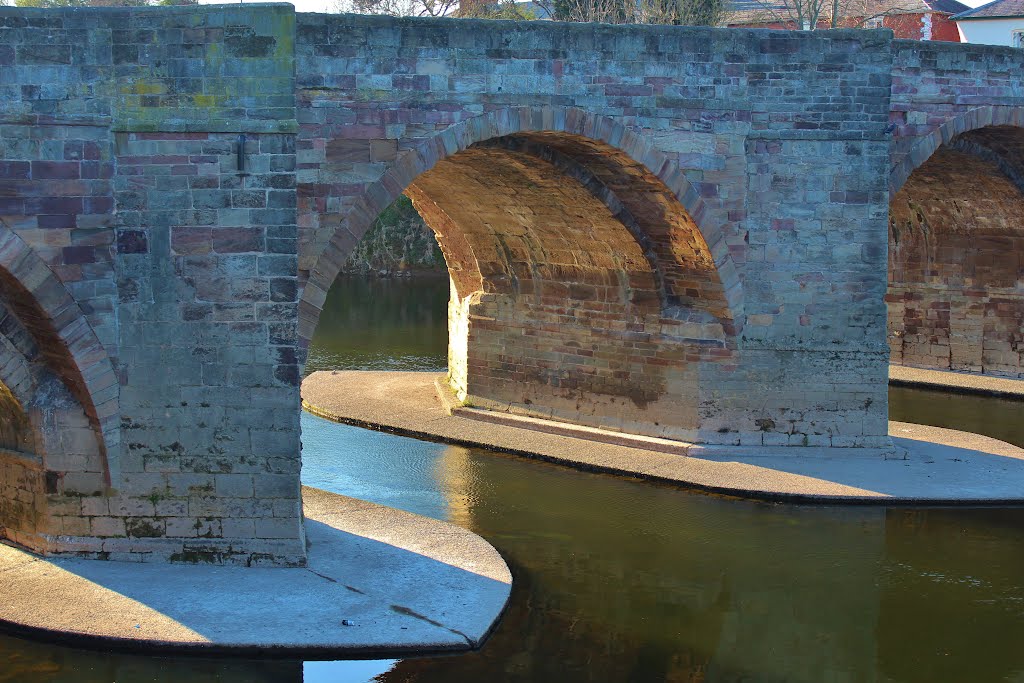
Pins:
x: 667, y: 231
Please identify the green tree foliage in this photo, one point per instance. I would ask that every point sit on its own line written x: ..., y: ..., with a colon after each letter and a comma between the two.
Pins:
x: 398, y: 240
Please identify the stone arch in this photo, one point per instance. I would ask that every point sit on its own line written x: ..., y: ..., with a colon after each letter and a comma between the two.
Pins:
x: 926, y: 146
x: 48, y: 447
x: 687, y: 280
x: 66, y: 341
x: 497, y: 124
x: 956, y: 236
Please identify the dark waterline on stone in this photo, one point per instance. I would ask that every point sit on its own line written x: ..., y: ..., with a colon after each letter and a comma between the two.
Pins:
x: 619, y: 580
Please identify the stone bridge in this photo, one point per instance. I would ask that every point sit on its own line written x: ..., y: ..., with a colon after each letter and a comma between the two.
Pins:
x: 662, y: 230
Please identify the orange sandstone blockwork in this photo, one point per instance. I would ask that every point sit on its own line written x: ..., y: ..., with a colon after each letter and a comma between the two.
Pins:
x: 556, y: 308
x: 956, y: 263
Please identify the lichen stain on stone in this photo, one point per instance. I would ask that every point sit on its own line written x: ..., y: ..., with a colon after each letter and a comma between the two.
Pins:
x: 143, y: 87
x: 206, y: 101
x: 372, y: 94
x: 144, y: 528
x: 214, y: 56
x: 248, y: 45
x: 285, y: 35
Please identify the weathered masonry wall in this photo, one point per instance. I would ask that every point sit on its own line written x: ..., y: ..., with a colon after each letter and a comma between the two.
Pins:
x: 957, y: 210
x: 138, y: 246
x: 664, y: 230
x: 773, y: 145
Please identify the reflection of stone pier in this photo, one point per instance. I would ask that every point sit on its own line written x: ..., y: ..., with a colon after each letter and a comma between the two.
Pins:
x: 456, y: 479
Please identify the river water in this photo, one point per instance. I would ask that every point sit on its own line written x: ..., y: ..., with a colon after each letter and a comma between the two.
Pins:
x: 619, y: 580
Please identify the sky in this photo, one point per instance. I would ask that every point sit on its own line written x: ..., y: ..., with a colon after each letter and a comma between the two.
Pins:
x: 329, y: 5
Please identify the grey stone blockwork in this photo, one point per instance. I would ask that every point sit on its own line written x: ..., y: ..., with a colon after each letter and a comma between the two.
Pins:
x: 120, y: 132
x: 173, y: 291
x: 774, y: 142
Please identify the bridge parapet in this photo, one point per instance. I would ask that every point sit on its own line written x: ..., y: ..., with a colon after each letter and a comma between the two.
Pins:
x: 940, y: 90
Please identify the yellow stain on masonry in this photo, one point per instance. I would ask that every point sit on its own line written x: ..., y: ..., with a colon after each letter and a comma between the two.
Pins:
x: 141, y: 87
x: 206, y: 101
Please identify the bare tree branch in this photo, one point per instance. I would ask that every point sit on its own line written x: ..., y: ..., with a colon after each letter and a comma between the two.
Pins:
x: 810, y: 15
x: 398, y: 8
x: 686, y: 12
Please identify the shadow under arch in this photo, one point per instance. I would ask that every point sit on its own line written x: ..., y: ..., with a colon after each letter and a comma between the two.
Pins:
x: 67, y: 343
x: 927, y: 145
x: 45, y: 435
x: 569, y: 121
x: 955, y: 239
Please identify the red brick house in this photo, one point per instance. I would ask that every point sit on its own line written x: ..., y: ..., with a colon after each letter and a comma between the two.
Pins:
x: 909, y: 19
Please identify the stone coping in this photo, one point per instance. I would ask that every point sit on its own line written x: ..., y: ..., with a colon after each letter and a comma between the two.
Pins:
x: 379, y: 582
x: 959, y: 382
x: 928, y: 465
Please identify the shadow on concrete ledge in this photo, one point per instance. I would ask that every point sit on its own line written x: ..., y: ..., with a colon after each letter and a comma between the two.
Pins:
x: 379, y: 582
x: 929, y: 465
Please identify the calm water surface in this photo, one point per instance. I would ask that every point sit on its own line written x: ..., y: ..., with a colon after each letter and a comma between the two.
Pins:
x: 617, y: 580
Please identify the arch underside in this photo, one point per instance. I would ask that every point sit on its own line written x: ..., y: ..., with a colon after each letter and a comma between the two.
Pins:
x: 57, y: 438
x: 956, y: 264
x: 582, y: 290
x: 335, y: 211
x: 45, y: 436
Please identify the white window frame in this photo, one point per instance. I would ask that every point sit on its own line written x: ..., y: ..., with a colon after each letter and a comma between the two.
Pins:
x: 1017, y: 37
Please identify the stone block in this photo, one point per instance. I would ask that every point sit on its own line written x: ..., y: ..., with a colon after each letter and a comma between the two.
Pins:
x: 276, y: 486
x: 276, y: 528
x: 234, y: 485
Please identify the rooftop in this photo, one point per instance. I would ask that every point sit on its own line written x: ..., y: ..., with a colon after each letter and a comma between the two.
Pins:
x: 767, y: 11
x: 993, y: 10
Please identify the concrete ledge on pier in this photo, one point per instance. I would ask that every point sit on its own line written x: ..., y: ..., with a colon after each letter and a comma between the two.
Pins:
x: 929, y: 465
x: 379, y: 582
x: 959, y: 382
